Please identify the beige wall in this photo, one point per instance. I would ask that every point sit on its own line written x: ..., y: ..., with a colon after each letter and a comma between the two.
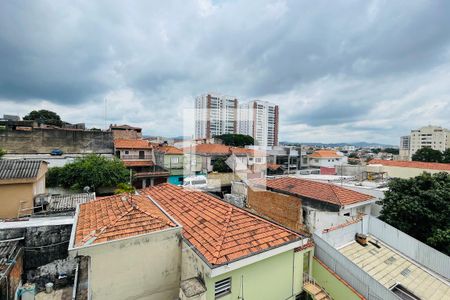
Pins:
x: 10, y: 197
x: 143, y: 267
x: 401, y: 172
x: 14, y: 191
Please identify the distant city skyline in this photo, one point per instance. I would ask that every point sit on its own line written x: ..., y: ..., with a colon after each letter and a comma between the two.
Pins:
x: 340, y: 72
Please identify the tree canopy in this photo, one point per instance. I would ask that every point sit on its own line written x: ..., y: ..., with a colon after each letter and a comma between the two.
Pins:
x: 2, y: 152
x: 237, y: 140
x: 420, y: 207
x: 44, y: 116
x: 446, y: 156
x: 92, y: 170
x: 221, y: 166
x: 427, y: 155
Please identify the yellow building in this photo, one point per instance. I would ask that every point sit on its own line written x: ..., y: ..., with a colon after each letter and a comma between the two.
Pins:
x: 404, y: 169
x: 20, y: 182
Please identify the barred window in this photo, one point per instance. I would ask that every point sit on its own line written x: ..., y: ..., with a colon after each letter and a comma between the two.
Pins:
x: 222, y: 287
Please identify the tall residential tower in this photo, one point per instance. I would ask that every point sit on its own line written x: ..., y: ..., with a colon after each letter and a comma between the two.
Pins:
x: 215, y: 115
x: 259, y: 119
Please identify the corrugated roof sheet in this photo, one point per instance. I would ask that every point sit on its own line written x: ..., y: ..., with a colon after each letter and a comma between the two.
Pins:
x: 15, y: 168
x: 59, y: 203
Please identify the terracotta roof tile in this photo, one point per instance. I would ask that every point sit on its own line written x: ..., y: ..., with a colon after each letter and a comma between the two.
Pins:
x: 320, y: 191
x: 220, y: 149
x: 325, y: 154
x: 169, y: 150
x: 118, y: 216
x: 132, y: 144
x: 411, y: 164
x: 220, y: 231
x: 273, y: 166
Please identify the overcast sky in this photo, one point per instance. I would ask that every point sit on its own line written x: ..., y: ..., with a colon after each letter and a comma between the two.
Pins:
x: 339, y: 70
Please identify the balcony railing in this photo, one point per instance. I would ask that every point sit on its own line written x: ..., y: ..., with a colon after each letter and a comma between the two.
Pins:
x: 135, y: 156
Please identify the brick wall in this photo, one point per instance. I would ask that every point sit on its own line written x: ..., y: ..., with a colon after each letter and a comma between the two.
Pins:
x: 283, y: 209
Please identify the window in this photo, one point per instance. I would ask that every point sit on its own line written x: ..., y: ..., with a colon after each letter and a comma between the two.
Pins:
x: 403, y: 293
x: 174, y: 160
x: 222, y: 287
x: 127, y: 152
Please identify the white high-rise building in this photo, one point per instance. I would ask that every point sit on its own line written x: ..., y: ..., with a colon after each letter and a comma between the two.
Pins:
x: 215, y: 115
x: 259, y: 119
x: 434, y: 137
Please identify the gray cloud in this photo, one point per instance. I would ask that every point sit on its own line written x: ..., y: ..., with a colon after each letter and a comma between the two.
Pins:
x: 332, y: 67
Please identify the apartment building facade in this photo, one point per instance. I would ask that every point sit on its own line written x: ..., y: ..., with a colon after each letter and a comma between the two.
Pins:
x: 215, y: 115
x: 434, y: 137
x: 259, y: 119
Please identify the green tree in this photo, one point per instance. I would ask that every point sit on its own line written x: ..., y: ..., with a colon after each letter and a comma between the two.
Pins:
x: 427, y: 155
x: 420, y: 207
x: 237, y: 140
x: 446, y: 156
x: 394, y: 151
x: 124, y: 188
x: 221, y: 166
x: 44, y: 116
x: 2, y: 152
x: 92, y: 170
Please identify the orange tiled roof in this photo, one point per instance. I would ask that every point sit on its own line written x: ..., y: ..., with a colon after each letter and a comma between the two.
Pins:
x: 320, y: 191
x: 116, y: 217
x: 412, y: 164
x: 138, y: 163
x: 209, y: 149
x: 324, y: 154
x: 132, y: 144
x: 220, y: 149
x: 273, y: 166
x: 169, y: 150
x: 220, y: 231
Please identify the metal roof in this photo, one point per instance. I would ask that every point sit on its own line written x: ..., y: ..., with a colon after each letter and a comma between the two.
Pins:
x: 17, y: 168
x: 58, y: 203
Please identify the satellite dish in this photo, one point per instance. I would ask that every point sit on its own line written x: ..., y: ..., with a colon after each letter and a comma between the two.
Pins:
x: 86, y: 189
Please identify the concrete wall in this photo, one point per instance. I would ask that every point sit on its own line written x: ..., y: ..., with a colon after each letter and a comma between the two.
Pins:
x: 284, y: 209
x: 277, y: 277
x: 40, y: 140
x: 43, y: 244
x: 143, y: 267
x: 332, y: 283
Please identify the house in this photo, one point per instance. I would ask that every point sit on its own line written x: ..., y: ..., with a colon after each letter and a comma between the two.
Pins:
x: 132, y: 248
x: 404, y: 169
x: 253, y: 160
x: 125, y: 132
x: 381, y: 262
x: 326, y: 159
x: 167, y: 242
x: 138, y: 156
x: 20, y: 182
x: 171, y: 159
x: 310, y: 205
x: 11, y: 268
x: 234, y: 253
x: 274, y: 169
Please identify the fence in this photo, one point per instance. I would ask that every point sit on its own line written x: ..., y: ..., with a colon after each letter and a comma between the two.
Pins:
x: 409, y: 246
x: 350, y: 272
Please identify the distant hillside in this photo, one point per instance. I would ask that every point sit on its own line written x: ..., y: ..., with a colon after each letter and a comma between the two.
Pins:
x: 332, y: 145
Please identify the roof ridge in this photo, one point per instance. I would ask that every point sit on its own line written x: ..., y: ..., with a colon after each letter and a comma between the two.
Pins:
x: 222, y: 234
x: 334, y: 192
